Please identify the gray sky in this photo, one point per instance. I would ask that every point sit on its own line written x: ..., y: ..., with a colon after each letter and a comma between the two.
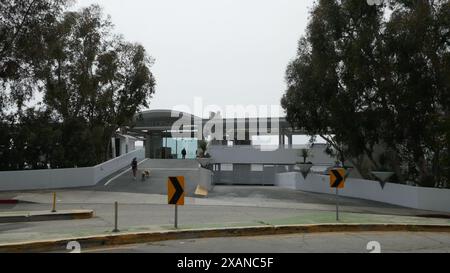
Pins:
x: 226, y: 52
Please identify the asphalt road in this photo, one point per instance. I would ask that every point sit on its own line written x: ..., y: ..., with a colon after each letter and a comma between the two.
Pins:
x: 392, y: 242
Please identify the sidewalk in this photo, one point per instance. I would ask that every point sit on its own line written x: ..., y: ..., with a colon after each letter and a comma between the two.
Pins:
x: 40, y: 216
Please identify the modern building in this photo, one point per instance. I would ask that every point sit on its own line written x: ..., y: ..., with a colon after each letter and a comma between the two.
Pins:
x: 235, y: 153
x: 123, y: 144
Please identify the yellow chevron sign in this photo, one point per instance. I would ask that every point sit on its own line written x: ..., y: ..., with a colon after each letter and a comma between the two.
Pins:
x: 337, y: 178
x: 175, y: 190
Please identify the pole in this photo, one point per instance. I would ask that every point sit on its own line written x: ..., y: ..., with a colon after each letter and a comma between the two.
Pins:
x: 337, y: 204
x: 116, y: 212
x: 176, y: 216
x: 54, y: 203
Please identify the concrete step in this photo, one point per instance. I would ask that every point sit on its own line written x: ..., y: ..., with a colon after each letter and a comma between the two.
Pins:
x: 39, y: 216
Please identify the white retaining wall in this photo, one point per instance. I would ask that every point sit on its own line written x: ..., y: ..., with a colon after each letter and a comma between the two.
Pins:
x: 65, y: 178
x: 396, y: 194
x: 206, y: 177
x: 244, y: 154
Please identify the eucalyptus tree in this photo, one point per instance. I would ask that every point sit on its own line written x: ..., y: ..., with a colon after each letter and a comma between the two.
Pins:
x: 376, y: 77
x: 331, y: 82
x: 95, y: 82
x: 92, y: 81
x: 23, y: 24
x: 417, y: 89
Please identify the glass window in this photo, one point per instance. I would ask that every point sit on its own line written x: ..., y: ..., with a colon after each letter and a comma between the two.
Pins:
x: 177, y: 144
x: 257, y: 168
x: 227, y: 167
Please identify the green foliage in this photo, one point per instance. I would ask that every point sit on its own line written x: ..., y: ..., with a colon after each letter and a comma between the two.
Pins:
x: 364, y: 82
x: 23, y: 26
x: 203, y: 146
x: 304, y: 153
x: 93, y: 83
x: 95, y: 79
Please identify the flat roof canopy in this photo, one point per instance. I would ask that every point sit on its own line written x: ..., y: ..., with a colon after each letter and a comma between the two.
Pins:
x: 163, y: 121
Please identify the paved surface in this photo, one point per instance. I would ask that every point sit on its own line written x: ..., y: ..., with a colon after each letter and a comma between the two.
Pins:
x: 153, y: 191
x: 143, y: 207
x: 148, y: 217
x: 394, y: 242
x: 157, y: 183
x: 240, y: 196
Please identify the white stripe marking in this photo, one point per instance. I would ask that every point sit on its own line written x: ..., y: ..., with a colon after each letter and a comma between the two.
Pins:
x: 122, y: 173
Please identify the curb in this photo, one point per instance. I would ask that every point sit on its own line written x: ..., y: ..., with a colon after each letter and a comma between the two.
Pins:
x: 148, y: 237
x: 47, y: 216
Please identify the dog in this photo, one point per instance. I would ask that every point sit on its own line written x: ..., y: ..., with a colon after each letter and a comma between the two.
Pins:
x: 145, y: 175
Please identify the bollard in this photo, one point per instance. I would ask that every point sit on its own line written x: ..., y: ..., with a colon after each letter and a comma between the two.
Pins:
x: 54, y: 202
x: 116, y: 212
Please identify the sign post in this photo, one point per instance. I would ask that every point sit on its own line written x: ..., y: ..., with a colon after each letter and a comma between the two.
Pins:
x: 175, y: 194
x: 176, y: 217
x: 337, y: 204
x: 337, y: 181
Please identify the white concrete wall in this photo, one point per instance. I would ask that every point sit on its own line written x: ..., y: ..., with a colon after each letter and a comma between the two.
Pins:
x: 434, y: 199
x: 194, y: 175
x: 287, y: 180
x: 396, y: 194
x: 205, y: 178
x: 46, y: 179
x: 103, y: 170
x: 123, y: 145
x: 124, y: 142
x: 253, y: 155
x: 132, y: 145
x: 64, y: 178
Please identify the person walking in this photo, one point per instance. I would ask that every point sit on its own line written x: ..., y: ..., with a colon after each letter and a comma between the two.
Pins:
x: 183, y: 153
x: 134, y: 167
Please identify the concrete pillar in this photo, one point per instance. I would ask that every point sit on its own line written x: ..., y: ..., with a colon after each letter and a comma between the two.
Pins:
x: 148, y: 146
x: 153, y: 146
x: 113, y: 147
x: 290, y: 141
x: 144, y: 143
x: 282, y: 139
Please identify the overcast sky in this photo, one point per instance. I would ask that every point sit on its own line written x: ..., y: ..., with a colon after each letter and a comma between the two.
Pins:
x: 226, y: 52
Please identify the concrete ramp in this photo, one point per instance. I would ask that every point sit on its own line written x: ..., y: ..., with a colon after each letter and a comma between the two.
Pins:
x: 160, y: 171
x: 170, y: 164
